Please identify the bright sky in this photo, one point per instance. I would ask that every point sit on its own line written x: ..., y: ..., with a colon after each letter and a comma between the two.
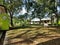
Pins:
x: 58, y: 9
x: 23, y: 11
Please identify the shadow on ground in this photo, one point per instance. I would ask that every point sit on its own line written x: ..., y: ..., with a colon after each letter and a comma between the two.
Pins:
x: 37, y: 36
x: 57, y: 30
x: 51, y: 42
x: 27, y: 38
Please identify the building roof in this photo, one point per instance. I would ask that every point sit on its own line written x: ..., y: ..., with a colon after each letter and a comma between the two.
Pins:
x: 47, y: 18
x: 35, y: 19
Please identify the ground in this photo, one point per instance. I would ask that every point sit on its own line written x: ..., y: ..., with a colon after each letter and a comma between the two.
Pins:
x: 33, y: 36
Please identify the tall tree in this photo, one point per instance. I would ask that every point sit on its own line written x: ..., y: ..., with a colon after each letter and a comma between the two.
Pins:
x: 12, y: 7
x: 49, y: 6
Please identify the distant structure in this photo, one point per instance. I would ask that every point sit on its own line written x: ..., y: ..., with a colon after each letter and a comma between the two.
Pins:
x: 46, y: 20
x: 43, y: 20
x: 35, y: 21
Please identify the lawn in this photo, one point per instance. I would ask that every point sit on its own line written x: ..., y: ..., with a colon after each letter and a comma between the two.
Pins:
x: 33, y: 36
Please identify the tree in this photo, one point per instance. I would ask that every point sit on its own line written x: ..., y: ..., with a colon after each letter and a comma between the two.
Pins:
x: 49, y: 6
x: 12, y: 7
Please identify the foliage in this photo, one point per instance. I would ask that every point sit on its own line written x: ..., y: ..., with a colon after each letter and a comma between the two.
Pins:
x: 41, y: 7
x: 1, y: 2
x: 12, y: 7
x: 4, y: 22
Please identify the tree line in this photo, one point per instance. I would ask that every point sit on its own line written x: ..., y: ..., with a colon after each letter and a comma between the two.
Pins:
x: 40, y: 8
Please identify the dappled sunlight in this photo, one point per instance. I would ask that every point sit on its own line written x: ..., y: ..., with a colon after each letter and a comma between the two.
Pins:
x: 31, y: 36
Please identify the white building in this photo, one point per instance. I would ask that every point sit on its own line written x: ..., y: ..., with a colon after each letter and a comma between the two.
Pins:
x: 46, y: 20
x: 35, y: 21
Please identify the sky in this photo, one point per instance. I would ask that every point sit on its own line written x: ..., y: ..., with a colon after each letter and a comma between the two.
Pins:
x: 23, y: 11
x: 58, y: 9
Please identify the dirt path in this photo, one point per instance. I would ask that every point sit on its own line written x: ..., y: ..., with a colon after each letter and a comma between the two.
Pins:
x: 33, y: 36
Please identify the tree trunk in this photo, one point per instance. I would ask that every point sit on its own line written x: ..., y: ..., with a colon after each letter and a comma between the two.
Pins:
x: 11, y: 19
x: 2, y: 37
x: 40, y: 20
x: 51, y: 19
x: 57, y: 20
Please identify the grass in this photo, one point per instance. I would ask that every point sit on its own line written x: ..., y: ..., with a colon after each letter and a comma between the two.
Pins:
x: 31, y: 35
